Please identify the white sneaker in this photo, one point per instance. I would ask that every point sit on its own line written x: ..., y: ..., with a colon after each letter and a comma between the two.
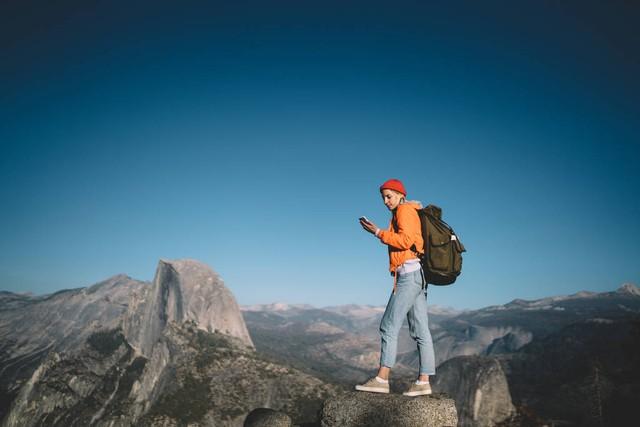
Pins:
x: 374, y: 386
x: 418, y: 390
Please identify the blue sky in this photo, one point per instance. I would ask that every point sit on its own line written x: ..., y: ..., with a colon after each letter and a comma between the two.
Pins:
x: 251, y: 137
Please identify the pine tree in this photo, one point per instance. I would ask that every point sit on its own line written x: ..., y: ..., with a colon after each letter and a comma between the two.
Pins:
x: 596, y: 390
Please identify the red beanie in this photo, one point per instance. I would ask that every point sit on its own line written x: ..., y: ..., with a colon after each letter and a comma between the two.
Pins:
x: 395, y: 185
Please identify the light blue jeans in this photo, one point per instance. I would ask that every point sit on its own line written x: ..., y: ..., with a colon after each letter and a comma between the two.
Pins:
x: 410, y: 301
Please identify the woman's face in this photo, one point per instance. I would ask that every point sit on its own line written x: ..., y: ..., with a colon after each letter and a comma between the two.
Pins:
x: 391, y: 199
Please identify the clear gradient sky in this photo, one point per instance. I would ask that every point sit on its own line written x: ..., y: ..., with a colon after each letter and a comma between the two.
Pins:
x: 252, y: 136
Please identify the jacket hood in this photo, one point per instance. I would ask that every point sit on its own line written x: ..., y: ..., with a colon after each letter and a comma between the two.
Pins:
x: 415, y: 203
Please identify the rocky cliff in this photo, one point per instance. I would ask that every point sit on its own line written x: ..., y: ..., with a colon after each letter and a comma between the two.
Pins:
x: 586, y: 374
x: 125, y: 352
x: 33, y: 327
x: 182, y: 291
x: 479, y: 387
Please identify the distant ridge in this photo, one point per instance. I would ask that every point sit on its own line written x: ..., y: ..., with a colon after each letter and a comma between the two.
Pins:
x: 518, y: 303
x: 629, y: 288
x: 276, y: 306
x: 352, y: 340
x: 551, y: 354
x: 346, y: 309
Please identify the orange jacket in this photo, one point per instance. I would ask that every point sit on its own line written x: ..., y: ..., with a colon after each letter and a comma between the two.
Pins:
x: 404, y: 232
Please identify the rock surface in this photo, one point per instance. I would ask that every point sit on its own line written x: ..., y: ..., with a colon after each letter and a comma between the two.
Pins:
x: 360, y: 409
x: 479, y: 387
x: 83, y: 389
x: 213, y: 381
x: 265, y: 417
x: 33, y: 327
x: 183, y: 291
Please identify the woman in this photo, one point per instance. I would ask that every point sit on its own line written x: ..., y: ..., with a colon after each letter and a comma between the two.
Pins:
x: 409, y: 297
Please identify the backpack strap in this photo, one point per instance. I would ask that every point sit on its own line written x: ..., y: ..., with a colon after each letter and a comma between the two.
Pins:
x: 424, y: 280
x: 414, y: 249
x: 395, y: 281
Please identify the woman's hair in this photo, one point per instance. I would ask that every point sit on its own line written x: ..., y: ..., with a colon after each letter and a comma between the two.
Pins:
x: 403, y: 198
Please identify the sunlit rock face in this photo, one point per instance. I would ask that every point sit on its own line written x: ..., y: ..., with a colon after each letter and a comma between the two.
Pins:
x: 65, y: 319
x: 33, y: 327
x: 183, y: 291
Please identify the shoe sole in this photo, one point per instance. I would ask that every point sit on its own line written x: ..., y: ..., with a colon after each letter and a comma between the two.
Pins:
x: 416, y: 393
x: 372, y: 389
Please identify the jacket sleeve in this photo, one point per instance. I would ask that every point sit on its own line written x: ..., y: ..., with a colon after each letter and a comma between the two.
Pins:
x: 408, y: 225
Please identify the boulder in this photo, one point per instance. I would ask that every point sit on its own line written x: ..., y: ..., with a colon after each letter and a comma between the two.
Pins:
x: 265, y: 417
x: 480, y: 389
x: 361, y: 409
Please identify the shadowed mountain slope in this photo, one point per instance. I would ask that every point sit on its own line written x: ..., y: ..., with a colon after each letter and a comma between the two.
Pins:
x: 557, y: 354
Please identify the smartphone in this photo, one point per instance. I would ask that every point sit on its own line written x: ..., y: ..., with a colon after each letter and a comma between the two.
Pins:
x: 365, y: 219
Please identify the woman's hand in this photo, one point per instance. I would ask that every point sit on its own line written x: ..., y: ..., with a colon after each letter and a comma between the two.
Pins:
x: 368, y: 226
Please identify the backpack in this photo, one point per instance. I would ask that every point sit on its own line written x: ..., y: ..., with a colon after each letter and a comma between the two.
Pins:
x: 442, y: 259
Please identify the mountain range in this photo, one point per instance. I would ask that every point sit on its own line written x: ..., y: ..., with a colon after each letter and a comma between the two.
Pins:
x: 180, y: 351
x: 125, y: 352
x: 524, y: 339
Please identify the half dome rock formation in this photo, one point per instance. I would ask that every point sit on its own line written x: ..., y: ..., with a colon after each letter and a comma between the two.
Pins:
x: 108, y: 353
x: 479, y: 387
x: 183, y: 291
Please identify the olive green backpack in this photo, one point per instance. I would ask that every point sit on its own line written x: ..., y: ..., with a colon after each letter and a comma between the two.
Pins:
x: 442, y: 260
